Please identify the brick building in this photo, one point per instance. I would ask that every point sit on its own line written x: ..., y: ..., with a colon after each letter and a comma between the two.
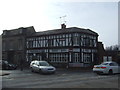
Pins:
x: 14, y: 44
x: 112, y: 56
x: 107, y: 55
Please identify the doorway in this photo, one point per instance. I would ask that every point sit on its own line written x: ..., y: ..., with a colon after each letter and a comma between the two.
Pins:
x: 10, y: 57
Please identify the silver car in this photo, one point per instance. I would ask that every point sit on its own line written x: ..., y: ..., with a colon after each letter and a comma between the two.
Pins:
x: 42, y: 67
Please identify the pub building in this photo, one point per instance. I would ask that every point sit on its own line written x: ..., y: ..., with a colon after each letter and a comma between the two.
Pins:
x: 65, y: 47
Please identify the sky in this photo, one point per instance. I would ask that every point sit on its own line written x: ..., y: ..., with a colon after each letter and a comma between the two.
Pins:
x: 100, y: 16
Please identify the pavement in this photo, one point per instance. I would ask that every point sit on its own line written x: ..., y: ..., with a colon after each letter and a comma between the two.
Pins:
x: 65, y: 78
x: 8, y: 72
x: 2, y: 73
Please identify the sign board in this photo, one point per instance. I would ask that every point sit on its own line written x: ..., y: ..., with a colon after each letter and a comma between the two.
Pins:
x: 76, y: 65
x: 70, y: 49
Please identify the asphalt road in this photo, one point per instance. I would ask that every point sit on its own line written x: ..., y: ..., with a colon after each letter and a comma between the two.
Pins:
x: 61, y: 79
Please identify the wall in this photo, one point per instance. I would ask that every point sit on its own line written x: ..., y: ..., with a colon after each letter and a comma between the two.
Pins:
x: 101, y: 52
x: 0, y: 47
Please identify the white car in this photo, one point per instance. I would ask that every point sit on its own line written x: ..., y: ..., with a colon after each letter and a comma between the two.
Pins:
x: 42, y: 67
x: 109, y: 67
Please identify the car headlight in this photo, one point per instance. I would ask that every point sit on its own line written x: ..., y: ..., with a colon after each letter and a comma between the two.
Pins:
x: 10, y: 65
x: 54, y: 68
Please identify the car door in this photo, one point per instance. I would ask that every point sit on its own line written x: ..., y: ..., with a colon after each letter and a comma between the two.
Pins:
x: 33, y: 65
x: 118, y: 68
x: 114, y: 67
x: 37, y: 66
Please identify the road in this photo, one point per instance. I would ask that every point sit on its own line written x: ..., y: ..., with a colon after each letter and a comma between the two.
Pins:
x: 61, y: 79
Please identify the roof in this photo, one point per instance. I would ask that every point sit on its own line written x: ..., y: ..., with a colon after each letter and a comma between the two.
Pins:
x: 66, y: 30
x: 18, y: 31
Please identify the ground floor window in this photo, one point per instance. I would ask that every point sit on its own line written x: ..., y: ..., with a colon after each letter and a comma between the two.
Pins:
x: 38, y: 57
x: 30, y: 57
x: 76, y: 57
x: 58, y: 57
x: 87, y: 57
x: 107, y: 58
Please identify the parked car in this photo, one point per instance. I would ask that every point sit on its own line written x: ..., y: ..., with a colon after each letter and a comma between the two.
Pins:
x: 42, y: 67
x: 109, y: 67
x: 7, y: 66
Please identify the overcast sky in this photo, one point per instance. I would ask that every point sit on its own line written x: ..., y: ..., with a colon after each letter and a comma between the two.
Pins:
x: 101, y: 17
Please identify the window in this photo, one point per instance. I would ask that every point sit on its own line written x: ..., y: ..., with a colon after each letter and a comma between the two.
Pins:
x: 67, y: 41
x: 33, y: 63
x: 113, y: 64
x: 81, y: 41
x: 87, y: 40
x: 87, y: 58
x: 51, y: 42
x: 11, y: 43
x: 76, y: 57
x: 46, y: 43
x: 43, y: 43
x: 109, y: 58
x: 105, y: 58
x: 3, y: 45
x: 38, y: 43
x: 104, y: 63
x: 34, y: 44
x: 76, y: 41
x: 59, y: 57
x: 70, y: 40
x: 94, y: 43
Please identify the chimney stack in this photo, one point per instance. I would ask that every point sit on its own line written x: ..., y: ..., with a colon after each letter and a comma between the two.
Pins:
x: 63, y: 26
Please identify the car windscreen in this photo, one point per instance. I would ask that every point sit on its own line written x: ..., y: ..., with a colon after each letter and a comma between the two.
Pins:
x: 105, y: 64
x: 43, y: 64
x: 5, y: 62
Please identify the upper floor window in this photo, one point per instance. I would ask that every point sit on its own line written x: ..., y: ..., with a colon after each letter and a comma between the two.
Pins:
x: 89, y: 41
x: 20, y: 44
x: 3, y: 45
x: 11, y: 45
x: 76, y: 41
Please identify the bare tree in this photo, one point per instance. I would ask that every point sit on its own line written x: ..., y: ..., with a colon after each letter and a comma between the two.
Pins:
x: 113, y: 48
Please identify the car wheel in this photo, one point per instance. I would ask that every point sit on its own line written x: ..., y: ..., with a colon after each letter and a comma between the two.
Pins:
x: 40, y: 71
x: 54, y: 72
x: 98, y: 73
x: 110, y: 72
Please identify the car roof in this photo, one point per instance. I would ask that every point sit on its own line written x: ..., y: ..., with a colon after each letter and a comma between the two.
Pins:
x: 38, y: 61
x: 109, y: 62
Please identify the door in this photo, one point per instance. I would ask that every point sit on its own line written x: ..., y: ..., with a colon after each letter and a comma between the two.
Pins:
x: 114, y: 67
x: 37, y: 66
x: 34, y: 66
x: 10, y: 57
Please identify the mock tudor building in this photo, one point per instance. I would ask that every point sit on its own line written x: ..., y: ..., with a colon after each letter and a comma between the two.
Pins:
x: 14, y: 44
x: 65, y: 47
